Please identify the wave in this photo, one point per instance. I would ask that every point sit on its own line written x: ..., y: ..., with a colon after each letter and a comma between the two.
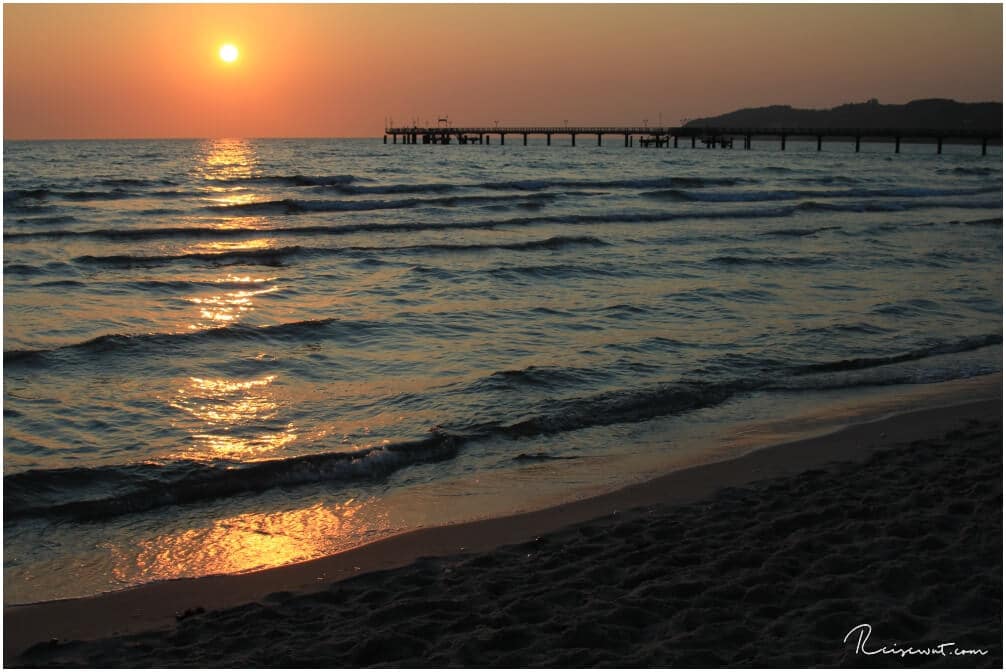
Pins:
x: 541, y: 457
x: 895, y: 206
x: 525, y: 273
x: 418, y: 188
x: 94, y: 493
x: 89, y: 494
x: 909, y: 307
x: 296, y: 180
x: 615, y: 217
x: 643, y: 183
x: 845, y: 328
x: 988, y: 221
x: 827, y: 179
x: 614, y: 407
x: 540, y: 377
x: 799, y: 233
x: 553, y: 243
x: 328, y: 327
x: 349, y: 184
x: 278, y: 256
x: 346, y: 184
x: 779, y: 260
x: 159, y: 212
x: 52, y: 267
x: 22, y: 269
x: 116, y: 342
x: 113, y: 195
x: 136, y: 488
x: 261, y: 257
x: 290, y: 206
x: 135, y: 182
x: 48, y: 219
x: 60, y: 283
x: 725, y: 197
x: 940, y: 348
x: 28, y: 196
x: 980, y: 171
x: 664, y: 399
x: 790, y: 195
x: 33, y: 194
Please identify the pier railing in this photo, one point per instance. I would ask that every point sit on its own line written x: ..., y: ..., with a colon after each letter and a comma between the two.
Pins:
x: 710, y: 136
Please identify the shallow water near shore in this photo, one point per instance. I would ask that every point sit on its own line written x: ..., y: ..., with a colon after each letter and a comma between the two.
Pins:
x: 228, y: 355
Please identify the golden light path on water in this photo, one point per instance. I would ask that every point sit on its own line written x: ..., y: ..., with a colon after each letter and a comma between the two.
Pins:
x: 233, y: 419
x: 239, y: 420
x: 227, y: 159
x: 241, y: 543
x: 219, y: 310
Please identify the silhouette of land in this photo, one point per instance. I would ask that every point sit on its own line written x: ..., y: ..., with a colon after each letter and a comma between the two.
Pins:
x: 930, y: 114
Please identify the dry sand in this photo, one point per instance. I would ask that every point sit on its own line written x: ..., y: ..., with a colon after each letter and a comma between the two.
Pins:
x: 905, y: 534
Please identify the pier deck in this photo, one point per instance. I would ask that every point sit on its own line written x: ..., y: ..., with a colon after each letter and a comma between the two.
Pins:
x: 710, y: 136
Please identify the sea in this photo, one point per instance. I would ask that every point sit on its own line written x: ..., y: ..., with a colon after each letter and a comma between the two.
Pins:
x: 227, y: 355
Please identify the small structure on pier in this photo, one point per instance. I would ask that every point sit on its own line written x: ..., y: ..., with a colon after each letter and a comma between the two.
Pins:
x: 711, y: 141
x: 655, y: 141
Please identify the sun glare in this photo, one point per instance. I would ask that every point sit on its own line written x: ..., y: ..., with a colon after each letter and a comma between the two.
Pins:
x: 228, y: 53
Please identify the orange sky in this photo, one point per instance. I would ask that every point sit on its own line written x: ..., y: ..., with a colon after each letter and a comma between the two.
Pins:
x: 145, y: 71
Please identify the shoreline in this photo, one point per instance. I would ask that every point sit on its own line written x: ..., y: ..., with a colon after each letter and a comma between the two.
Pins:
x: 154, y: 606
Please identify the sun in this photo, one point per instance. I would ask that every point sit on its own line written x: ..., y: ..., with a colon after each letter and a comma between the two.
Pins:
x: 228, y: 53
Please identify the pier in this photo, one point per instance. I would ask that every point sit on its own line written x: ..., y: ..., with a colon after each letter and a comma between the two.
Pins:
x: 668, y: 137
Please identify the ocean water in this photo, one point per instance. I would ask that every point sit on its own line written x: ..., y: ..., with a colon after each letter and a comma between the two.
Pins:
x: 226, y: 355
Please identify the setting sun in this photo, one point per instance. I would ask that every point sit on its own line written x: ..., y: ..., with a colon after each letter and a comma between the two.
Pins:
x: 228, y: 53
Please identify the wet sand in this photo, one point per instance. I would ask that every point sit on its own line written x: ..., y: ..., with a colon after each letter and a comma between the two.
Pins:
x: 769, y: 559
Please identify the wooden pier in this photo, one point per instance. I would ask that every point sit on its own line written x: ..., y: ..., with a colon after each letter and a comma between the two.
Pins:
x: 710, y: 137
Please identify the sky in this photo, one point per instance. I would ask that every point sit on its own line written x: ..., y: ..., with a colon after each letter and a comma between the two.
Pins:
x: 154, y: 71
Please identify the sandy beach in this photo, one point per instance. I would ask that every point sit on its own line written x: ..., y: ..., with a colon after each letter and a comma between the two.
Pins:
x: 770, y: 559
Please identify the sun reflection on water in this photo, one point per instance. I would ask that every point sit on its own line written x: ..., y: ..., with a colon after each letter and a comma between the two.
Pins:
x: 226, y: 168
x: 223, y: 246
x: 242, y: 543
x: 236, y: 420
x: 223, y: 309
x: 227, y: 159
x: 242, y: 279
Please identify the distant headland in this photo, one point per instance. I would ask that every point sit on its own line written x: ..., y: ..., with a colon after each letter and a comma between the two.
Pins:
x: 929, y: 113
